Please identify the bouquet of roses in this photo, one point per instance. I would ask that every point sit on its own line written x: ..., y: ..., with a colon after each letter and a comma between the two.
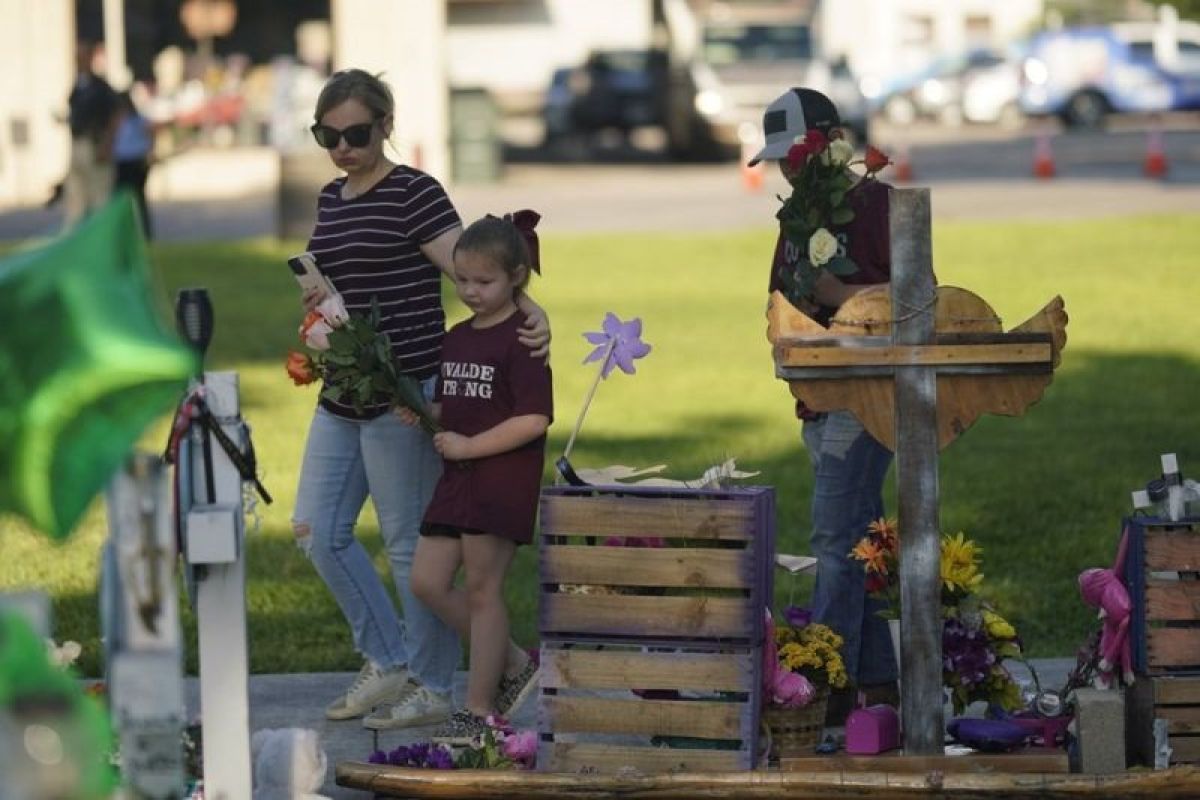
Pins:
x: 802, y: 659
x: 355, y: 358
x: 819, y: 172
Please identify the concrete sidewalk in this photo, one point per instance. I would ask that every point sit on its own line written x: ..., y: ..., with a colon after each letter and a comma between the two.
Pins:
x: 299, y: 700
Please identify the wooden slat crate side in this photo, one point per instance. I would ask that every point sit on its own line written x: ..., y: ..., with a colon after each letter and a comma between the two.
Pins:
x: 1180, y: 719
x: 664, y: 517
x: 584, y: 757
x: 734, y: 618
x: 701, y: 719
x: 1184, y: 749
x: 1172, y: 552
x: 1176, y: 691
x: 576, y: 668
x: 675, y: 567
x: 1173, y: 601
x: 1169, y: 648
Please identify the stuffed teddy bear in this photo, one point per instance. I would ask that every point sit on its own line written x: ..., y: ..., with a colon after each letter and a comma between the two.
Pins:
x: 289, y: 764
x: 1103, y: 589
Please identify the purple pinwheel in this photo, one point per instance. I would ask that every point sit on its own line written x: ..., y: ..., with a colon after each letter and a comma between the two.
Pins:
x: 619, y: 343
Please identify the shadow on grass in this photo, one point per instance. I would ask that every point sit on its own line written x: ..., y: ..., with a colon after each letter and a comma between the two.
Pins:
x: 1044, y: 494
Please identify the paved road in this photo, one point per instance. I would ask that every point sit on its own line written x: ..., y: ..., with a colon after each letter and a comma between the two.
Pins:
x: 974, y: 174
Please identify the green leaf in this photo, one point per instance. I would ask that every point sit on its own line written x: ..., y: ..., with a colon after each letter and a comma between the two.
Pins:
x: 841, y: 216
x: 840, y: 265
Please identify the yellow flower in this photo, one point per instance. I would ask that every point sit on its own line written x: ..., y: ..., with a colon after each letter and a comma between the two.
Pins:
x: 997, y: 626
x: 871, y: 555
x: 960, y: 563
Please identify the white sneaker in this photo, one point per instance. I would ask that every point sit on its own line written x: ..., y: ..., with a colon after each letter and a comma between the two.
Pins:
x: 372, y: 687
x: 419, y: 706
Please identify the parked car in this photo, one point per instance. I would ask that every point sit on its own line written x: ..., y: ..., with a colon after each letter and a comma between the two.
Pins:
x: 992, y: 95
x: 1084, y: 74
x: 935, y: 91
x: 613, y: 89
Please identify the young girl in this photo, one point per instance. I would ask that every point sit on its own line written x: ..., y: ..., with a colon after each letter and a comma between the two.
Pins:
x: 494, y: 402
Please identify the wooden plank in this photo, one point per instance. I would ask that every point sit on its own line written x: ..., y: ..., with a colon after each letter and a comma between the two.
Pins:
x: 693, y: 567
x: 1173, y: 647
x: 914, y: 291
x: 1173, y: 601
x: 666, y: 517
x: 915, y: 355
x: 635, y: 615
x: 1176, y: 691
x: 1173, y: 552
x: 468, y: 784
x: 701, y: 719
x: 588, y: 758
x: 1032, y: 759
x: 608, y: 669
x: 1180, y: 719
x: 1185, y: 749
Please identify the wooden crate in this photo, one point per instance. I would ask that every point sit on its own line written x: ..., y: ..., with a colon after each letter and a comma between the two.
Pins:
x: 1162, y: 572
x: 684, y: 620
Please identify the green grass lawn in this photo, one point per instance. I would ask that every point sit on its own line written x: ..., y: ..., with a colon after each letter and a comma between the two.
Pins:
x: 1044, y: 493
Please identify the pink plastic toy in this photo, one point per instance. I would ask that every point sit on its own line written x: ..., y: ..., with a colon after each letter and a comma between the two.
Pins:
x: 872, y: 730
x: 1103, y: 589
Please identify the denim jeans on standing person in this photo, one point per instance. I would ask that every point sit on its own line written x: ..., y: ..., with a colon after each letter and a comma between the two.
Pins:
x: 849, y: 467
x: 344, y: 461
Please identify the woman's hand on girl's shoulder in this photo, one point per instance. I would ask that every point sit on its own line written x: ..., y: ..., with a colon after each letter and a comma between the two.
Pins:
x: 535, y: 333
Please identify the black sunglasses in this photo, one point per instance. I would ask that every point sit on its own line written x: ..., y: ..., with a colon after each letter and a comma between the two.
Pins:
x: 355, y: 135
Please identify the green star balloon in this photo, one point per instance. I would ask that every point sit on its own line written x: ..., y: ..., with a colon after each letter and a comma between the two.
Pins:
x: 85, y: 366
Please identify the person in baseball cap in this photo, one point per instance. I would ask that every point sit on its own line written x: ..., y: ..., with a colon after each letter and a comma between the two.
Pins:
x: 793, y: 114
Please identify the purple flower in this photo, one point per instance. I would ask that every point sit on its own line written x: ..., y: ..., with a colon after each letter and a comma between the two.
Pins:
x: 440, y: 758
x: 797, y: 616
x: 620, y: 341
x: 521, y: 747
x: 377, y: 757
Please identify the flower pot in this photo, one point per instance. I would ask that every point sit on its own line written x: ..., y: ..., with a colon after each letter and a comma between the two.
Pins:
x: 894, y: 629
x: 796, y: 731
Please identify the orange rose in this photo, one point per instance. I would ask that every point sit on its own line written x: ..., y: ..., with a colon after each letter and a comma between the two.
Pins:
x: 300, y: 368
x: 875, y: 160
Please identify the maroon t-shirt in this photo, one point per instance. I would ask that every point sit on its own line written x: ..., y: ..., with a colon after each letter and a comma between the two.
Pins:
x: 488, y: 376
x: 866, y: 240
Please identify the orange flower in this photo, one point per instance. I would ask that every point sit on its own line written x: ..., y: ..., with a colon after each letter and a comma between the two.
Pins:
x: 875, y: 160
x: 872, y: 556
x: 883, y: 532
x: 300, y: 368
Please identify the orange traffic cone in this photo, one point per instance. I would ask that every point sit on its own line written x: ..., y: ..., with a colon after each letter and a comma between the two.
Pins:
x: 1043, y: 156
x: 902, y: 166
x: 752, y: 177
x: 1155, y: 165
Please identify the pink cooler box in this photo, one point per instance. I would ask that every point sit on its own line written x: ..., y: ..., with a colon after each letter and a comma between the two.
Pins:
x: 872, y: 730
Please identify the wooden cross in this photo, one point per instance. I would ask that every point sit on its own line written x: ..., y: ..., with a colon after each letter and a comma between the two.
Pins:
x: 916, y: 378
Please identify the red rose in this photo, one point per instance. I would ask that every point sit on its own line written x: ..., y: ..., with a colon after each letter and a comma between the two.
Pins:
x: 875, y: 160
x: 797, y: 154
x: 816, y: 141
x: 300, y: 368
x: 876, y: 583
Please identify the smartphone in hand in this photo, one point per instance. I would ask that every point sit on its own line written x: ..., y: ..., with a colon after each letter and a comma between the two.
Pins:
x: 308, y: 274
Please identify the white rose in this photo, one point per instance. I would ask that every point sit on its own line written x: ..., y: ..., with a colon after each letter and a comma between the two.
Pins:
x: 841, y: 151
x: 822, y: 246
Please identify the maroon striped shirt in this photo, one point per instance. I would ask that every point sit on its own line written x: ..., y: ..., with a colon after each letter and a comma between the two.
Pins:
x: 370, y: 247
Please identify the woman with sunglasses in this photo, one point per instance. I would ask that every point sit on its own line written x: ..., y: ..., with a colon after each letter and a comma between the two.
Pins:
x: 385, y: 231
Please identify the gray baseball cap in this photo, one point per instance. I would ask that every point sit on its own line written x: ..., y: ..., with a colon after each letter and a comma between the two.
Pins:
x: 793, y: 114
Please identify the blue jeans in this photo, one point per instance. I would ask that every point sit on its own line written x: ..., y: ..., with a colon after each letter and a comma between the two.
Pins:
x: 849, y: 467
x: 344, y: 461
